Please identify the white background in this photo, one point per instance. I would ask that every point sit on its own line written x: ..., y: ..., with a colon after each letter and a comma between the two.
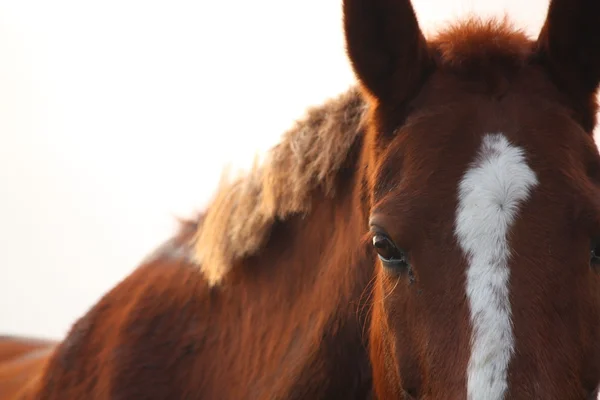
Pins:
x: 117, y: 116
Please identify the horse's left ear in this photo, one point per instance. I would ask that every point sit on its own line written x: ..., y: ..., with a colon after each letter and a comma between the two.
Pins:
x: 386, y: 47
x: 568, y: 47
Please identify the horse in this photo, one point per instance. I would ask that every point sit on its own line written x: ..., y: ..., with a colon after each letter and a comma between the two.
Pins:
x: 432, y: 233
x: 482, y: 184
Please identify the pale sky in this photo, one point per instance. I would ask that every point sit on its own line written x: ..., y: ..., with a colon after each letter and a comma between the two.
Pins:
x: 116, y: 116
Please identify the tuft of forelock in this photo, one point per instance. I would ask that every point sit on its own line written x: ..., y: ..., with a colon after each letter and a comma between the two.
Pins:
x: 238, y: 221
x: 476, y: 44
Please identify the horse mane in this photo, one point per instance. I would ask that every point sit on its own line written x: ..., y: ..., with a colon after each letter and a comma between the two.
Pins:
x: 238, y: 221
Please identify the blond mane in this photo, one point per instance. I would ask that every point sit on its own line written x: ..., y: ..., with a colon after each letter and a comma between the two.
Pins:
x: 243, y: 210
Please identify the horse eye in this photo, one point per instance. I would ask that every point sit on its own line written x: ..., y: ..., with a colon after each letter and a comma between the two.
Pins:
x: 388, y: 252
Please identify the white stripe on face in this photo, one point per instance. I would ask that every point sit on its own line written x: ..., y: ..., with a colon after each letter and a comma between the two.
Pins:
x: 490, y: 194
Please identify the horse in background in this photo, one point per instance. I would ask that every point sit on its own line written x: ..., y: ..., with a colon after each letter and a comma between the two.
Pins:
x: 483, y: 188
x: 21, y: 359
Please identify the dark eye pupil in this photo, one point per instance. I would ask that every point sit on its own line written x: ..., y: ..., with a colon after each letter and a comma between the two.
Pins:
x: 595, y: 254
x: 385, y: 248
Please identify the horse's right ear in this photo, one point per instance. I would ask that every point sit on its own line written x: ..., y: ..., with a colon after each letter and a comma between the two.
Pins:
x: 386, y: 47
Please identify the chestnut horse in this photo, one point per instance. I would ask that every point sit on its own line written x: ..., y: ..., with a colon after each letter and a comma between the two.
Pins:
x: 483, y: 196
x: 441, y: 221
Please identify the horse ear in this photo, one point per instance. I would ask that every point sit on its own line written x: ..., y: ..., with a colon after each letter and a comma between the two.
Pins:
x: 386, y: 47
x: 568, y: 47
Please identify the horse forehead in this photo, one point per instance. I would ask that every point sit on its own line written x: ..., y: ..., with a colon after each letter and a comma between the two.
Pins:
x: 491, y: 191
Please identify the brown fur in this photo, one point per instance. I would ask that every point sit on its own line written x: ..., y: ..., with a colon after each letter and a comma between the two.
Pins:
x: 240, y: 218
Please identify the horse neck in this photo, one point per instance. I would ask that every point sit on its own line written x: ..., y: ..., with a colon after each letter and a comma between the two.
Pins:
x: 310, y: 283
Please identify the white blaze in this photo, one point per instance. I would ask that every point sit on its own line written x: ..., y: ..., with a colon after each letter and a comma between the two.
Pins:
x: 489, y: 196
